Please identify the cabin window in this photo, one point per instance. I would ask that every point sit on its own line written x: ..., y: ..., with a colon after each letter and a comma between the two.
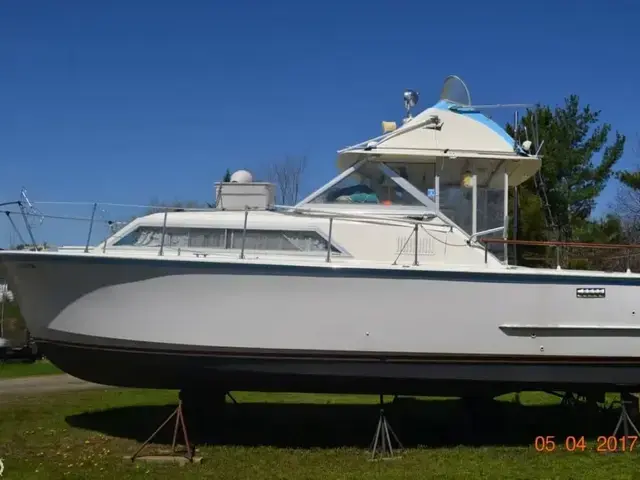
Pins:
x: 369, y: 185
x: 301, y: 241
x: 266, y: 240
x: 207, y: 238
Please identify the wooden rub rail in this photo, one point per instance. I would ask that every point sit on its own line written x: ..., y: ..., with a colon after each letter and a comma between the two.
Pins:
x: 558, y: 245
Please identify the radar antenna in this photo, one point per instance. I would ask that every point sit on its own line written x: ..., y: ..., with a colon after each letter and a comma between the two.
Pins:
x: 455, y: 90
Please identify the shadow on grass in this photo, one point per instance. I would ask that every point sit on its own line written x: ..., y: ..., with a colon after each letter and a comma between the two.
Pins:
x: 433, y: 423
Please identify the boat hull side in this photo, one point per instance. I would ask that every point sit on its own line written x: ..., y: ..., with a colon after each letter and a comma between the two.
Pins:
x: 155, y: 323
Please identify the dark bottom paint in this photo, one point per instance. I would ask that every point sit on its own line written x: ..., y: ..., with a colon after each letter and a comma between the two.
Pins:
x: 237, y: 371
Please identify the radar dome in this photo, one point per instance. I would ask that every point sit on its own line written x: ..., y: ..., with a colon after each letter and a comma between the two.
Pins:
x: 241, y: 176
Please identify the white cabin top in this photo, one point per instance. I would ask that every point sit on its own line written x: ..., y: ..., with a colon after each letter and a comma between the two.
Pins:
x: 454, y: 135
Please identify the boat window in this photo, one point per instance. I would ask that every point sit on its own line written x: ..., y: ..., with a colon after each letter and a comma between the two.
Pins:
x: 206, y: 238
x: 456, y: 202
x: 302, y: 241
x: 271, y: 240
x: 152, y: 237
x: 490, y: 208
x: 369, y: 185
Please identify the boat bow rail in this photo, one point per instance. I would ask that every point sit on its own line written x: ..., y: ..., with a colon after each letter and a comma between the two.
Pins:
x: 420, y: 224
x: 588, y: 255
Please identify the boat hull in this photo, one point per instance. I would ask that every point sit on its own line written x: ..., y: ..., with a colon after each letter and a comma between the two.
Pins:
x: 167, y: 323
x: 330, y: 372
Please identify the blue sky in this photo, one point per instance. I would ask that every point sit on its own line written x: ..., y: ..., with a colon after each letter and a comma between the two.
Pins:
x: 127, y: 101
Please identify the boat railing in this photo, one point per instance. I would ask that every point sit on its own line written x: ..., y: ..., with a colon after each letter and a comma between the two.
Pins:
x: 557, y: 254
x: 415, y: 225
x: 98, y: 214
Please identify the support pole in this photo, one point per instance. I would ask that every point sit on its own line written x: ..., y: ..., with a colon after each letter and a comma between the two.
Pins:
x: 26, y: 223
x: 244, y: 231
x: 329, y: 240
x: 381, y: 443
x: 505, y: 234
x: 437, y: 188
x: 164, y: 231
x: 415, y: 254
x: 180, y: 423
x: 625, y: 421
x: 515, y: 224
x: 474, y: 204
x: 93, y: 215
x: 13, y: 224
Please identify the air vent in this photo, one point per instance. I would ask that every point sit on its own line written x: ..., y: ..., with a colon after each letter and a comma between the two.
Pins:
x: 425, y: 246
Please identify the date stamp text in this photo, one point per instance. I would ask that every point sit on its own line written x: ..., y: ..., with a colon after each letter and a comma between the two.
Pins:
x: 602, y: 444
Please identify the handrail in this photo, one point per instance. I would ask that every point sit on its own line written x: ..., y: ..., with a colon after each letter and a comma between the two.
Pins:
x: 489, y: 231
x: 414, y: 219
x: 542, y: 243
x: 422, y: 218
x: 559, y: 244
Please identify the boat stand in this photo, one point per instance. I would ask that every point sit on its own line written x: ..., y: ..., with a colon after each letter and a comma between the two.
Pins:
x: 180, y: 423
x: 625, y: 420
x: 381, y: 443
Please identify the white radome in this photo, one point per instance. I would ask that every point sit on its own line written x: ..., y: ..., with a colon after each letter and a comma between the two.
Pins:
x: 241, y: 176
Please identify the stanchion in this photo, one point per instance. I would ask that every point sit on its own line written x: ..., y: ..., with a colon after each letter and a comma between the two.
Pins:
x: 381, y: 443
x: 625, y: 420
x: 180, y: 424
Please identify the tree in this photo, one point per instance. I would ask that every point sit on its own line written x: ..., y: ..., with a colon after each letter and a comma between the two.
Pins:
x: 627, y: 203
x: 557, y: 203
x: 287, y: 175
x: 569, y: 177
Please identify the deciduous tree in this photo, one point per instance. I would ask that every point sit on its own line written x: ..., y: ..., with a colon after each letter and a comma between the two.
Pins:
x: 287, y: 175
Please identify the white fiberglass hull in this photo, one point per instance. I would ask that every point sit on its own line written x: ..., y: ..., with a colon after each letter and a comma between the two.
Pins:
x: 170, y: 322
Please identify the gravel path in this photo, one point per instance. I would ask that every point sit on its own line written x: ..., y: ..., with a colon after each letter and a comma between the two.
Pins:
x: 44, y: 384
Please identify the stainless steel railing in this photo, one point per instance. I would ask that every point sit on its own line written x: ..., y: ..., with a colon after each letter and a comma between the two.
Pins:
x: 430, y: 222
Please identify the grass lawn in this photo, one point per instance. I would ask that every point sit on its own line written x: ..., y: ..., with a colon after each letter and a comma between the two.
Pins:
x: 15, y: 370
x: 85, y: 434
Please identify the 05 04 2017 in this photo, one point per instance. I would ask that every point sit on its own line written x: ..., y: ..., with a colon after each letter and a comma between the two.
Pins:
x: 602, y: 444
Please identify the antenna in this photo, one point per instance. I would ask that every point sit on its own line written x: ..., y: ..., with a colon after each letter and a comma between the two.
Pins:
x: 455, y: 90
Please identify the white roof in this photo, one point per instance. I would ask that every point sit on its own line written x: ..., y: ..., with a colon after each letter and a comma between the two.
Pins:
x: 446, y: 130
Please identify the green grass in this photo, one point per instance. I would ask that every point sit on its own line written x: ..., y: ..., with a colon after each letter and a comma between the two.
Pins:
x: 15, y: 370
x: 85, y: 435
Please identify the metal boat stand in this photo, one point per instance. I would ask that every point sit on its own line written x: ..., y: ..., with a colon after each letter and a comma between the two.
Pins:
x: 180, y: 423
x: 381, y: 443
x: 625, y: 421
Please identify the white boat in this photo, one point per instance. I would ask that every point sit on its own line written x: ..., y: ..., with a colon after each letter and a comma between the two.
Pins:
x: 379, y: 281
